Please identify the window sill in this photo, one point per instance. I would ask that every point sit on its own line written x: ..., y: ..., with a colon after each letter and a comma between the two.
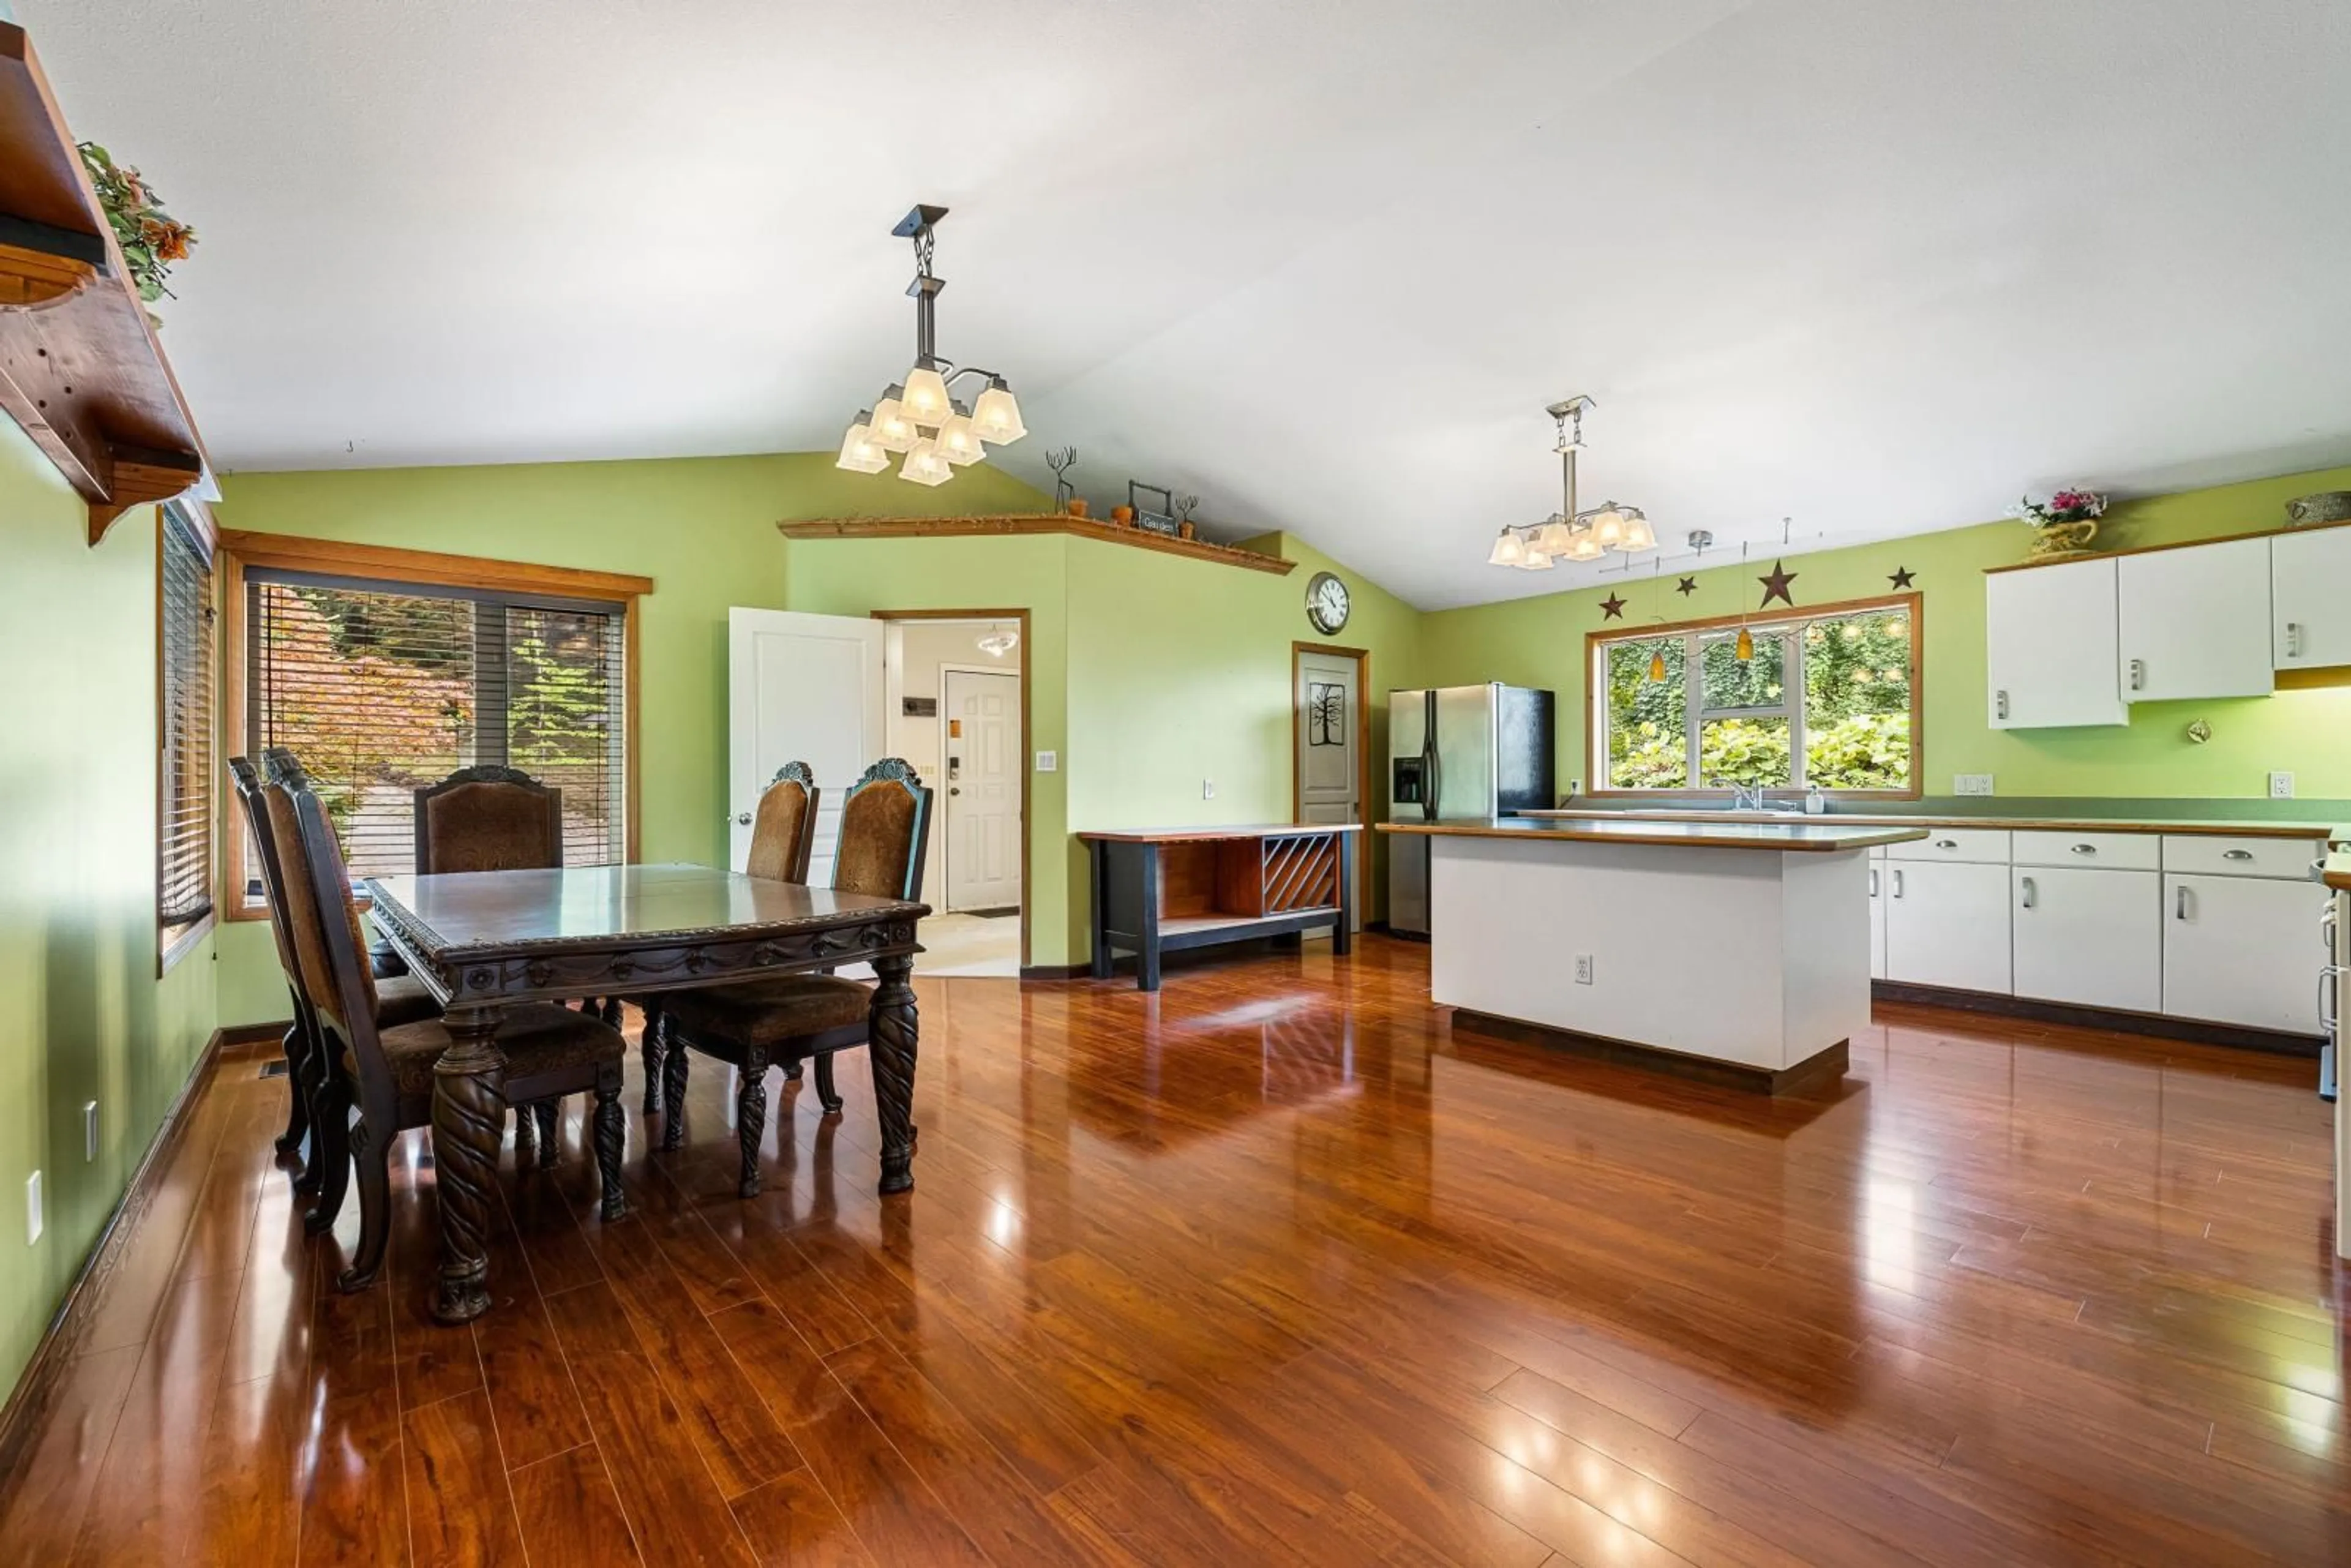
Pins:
x: 180, y: 941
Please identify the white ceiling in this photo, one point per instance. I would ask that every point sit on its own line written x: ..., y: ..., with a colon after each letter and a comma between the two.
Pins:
x: 1878, y: 268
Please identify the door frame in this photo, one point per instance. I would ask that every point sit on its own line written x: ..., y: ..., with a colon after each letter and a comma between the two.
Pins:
x: 947, y: 840
x: 1028, y: 749
x: 1362, y: 657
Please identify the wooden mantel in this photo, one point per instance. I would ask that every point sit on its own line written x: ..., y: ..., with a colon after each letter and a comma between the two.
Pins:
x: 1029, y: 523
x: 80, y: 366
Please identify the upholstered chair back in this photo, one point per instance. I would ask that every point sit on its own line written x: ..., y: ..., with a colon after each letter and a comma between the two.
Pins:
x: 488, y: 819
x: 783, y: 834
x: 311, y: 918
x: 885, y: 821
x: 272, y: 879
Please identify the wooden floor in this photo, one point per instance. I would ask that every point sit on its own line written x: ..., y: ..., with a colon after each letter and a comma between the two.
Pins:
x: 1270, y: 1267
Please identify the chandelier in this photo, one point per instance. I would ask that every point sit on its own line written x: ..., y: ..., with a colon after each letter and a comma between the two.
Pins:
x: 1570, y: 533
x: 920, y: 416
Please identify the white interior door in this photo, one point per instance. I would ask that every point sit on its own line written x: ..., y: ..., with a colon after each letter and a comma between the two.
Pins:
x: 1329, y: 768
x: 980, y: 711
x: 804, y: 688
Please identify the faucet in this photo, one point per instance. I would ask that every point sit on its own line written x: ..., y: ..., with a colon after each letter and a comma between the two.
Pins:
x: 1743, y: 797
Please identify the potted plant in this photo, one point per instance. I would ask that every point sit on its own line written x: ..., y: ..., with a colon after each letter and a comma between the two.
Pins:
x: 2064, y: 524
x: 151, y: 239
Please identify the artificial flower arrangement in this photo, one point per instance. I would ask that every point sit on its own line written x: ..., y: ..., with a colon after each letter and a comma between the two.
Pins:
x: 2064, y: 524
x: 151, y: 238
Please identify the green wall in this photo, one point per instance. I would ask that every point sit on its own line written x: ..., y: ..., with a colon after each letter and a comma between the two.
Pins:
x: 703, y: 528
x: 82, y: 1015
x: 1539, y: 642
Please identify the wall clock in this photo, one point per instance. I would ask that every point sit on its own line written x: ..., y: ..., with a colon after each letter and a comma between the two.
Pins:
x: 1326, y: 603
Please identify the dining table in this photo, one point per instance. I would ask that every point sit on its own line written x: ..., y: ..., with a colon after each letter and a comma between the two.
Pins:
x: 486, y: 942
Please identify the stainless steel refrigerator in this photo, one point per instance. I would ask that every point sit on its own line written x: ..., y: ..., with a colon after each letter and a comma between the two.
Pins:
x: 1460, y: 754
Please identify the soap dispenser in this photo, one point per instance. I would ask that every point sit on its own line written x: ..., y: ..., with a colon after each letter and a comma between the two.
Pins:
x: 1815, y: 803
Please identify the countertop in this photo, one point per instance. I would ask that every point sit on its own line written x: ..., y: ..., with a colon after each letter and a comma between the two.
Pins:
x: 1808, y: 836
x: 2257, y: 829
x: 1196, y: 835
x: 2338, y: 874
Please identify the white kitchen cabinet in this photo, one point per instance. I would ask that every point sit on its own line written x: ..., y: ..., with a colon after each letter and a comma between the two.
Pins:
x: 2242, y: 950
x: 2091, y: 937
x: 1947, y: 924
x: 2195, y: 622
x: 2050, y: 646
x: 1877, y: 912
x: 2310, y: 626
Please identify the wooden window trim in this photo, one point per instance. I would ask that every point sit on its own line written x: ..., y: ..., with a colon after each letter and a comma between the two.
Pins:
x: 182, y: 940
x: 242, y: 551
x: 1595, y: 740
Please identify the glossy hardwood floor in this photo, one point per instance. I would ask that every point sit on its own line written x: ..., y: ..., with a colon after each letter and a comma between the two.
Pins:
x: 1270, y: 1267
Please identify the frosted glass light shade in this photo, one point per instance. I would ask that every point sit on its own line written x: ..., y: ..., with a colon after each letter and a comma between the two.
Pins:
x: 997, y: 416
x: 1508, y: 550
x: 860, y: 452
x: 1588, y: 547
x: 925, y: 464
x: 1536, y: 561
x: 1608, y: 527
x: 1638, y: 535
x: 959, y: 443
x: 1555, y: 537
x: 926, y: 397
x: 890, y: 427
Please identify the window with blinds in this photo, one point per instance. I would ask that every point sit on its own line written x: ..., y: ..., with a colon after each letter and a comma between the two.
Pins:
x: 383, y: 687
x: 183, y: 895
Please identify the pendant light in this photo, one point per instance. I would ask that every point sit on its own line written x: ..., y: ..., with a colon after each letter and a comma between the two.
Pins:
x: 860, y: 451
x: 1510, y: 549
x: 890, y: 427
x: 996, y: 416
x: 1569, y: 534
x: 1745, y: 646
x: 925, y: 396
x: 1657, y: 613
x: 926, y: 465
x: 959, y: 442
x: 1658, y: 666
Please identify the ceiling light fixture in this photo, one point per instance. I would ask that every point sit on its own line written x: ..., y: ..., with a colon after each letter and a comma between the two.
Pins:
x: 1569, y: 534
x: 997, y: 641
x: 919, y: 416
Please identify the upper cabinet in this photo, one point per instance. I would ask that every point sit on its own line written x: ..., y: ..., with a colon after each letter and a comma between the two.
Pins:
x: 2050, y: 646
x: 2310, y: 612
x: 2196, y: 622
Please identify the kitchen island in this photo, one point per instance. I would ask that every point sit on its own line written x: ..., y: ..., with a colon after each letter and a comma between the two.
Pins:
x: 1736, y: 952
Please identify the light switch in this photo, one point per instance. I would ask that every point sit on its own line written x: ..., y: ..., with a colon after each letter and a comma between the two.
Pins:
x: 1049, y: 762
x: 1970, y: 783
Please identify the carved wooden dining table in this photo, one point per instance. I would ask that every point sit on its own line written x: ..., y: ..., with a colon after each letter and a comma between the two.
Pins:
x: 483, y: 942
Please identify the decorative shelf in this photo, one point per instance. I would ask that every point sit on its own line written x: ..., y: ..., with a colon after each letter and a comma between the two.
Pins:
x: 1031, y: 523
x: 80, y: 366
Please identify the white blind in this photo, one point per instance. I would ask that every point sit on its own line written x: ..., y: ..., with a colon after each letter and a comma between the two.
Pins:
x: 184, y: 794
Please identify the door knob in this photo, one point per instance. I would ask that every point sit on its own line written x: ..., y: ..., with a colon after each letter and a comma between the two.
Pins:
x: 952, y: 791
x: 745, y: 819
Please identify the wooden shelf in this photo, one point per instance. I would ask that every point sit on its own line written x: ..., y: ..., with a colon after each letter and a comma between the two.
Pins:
x: 80, y: 366
x: 1031, y: 523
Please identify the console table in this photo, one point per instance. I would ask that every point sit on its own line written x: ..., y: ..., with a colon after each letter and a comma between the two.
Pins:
x: 1157, y: 889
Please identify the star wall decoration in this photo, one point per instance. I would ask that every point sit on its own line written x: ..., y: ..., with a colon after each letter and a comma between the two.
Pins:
x: 1688, y: 586
x: 1903, y: 577
x: 1611, y: 608
x: 1776, y: 585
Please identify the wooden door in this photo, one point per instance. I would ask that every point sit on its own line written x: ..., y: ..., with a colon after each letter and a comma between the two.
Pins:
x: 2310, y: 623
x: 804, y: 688
x: 2049, y: 647
x: 2196, y: 622
x: 981, y: 713
x: 1328, y: 748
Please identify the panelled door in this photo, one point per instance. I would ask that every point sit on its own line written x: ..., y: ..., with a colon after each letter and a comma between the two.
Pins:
x: 981, y: 711
x: 804, y: 688
x: 1328, y: 758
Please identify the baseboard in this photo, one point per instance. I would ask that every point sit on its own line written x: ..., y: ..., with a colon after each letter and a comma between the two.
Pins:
x: 252, y: 1033
x: 45, y: 1373
x: 1055, y: 971
x: 2157, y: 1025
x: 1827, y: 1063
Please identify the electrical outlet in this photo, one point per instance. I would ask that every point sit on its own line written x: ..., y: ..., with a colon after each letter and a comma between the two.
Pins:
x: 32, y: 1208
x: 1970, y: 783
x: 1584, y: 968
x: 88, y: 1130
x: 1208, y: 789
x: 2281, y: 786
x: 1049, y: 762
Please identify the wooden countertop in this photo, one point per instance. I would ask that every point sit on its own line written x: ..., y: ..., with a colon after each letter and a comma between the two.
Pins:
x: 2252, y: 830
x: 1204, y: 835
x: 1802, y: 837
x: 2338, y: 874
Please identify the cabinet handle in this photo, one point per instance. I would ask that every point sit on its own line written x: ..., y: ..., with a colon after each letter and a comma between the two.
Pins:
x: 2085, y: 849
x: 2326, y: 930
x: 2236, y: 854
x: 2293, y: 639
x: 1947, y: 843
x: 2179, y: 905
x: 1873, y: 888
x: 1999, y: 704
x: 1898, y: 885
x: 2138, y: 675
x: 2028, y: 892
x: 2330, y: 1007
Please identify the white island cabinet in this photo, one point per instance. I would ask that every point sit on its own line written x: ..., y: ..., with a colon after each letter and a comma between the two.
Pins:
x: 1737, y: 952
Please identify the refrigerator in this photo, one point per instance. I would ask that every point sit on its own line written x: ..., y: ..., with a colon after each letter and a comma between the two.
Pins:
x: 1460, y: 754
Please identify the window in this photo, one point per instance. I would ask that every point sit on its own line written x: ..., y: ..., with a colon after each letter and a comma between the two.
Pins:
x: 184, y: 793
x: 1827, y: 698
x: 382, y: 684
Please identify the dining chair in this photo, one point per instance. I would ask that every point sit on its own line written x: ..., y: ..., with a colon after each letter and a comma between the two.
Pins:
x: 885, y: 821
x: 783, y: 837
x: 490, y: 818
x: 399, y: 999
x: 382, y: 1078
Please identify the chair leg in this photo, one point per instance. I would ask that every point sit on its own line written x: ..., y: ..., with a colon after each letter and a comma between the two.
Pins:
x: 826, y: 1094
x: 298, y: 1108
x: 372, y: 1158
x: 525, y: 1138
x: 751, y: 1118
x: 649, y: 1052
x: 674, y: 1054
x: 793, y: 1069
x: 321, y: 1080
x: 550, y: 1128
x: 610, y: 1128
x: 330, y: 1157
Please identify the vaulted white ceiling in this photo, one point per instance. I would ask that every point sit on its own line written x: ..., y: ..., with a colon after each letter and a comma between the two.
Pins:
x: 1876, y: 268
